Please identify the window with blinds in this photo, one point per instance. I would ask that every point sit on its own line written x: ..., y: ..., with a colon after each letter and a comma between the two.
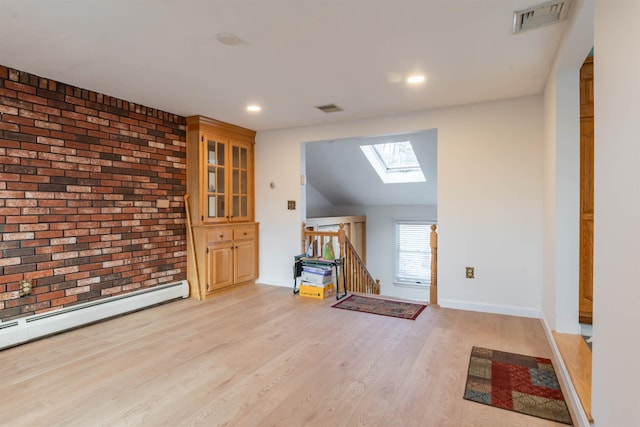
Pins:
x: 413, y: 252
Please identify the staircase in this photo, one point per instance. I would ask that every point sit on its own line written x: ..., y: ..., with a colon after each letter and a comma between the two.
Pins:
x: 358, y: 278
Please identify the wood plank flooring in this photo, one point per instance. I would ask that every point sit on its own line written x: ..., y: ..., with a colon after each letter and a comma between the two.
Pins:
x: 577, y: 358
x: 260, y: 356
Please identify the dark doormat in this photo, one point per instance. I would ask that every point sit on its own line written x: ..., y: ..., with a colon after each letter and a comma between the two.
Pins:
x: 403, y: 310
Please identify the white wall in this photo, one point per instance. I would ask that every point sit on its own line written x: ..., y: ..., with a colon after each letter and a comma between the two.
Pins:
x: 489, y: 199
x: 616, y: 350
x: 317, y: 205
x: 490, y: 206
x: 381, y: 246
x: 549, y: 206
x: 562, y: 201
x: 562, y: 174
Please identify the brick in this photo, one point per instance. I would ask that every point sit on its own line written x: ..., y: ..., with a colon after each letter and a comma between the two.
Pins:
x: 27, y: 130
x: 9, y: 211
x: 30, y: 114
x: 34, y: 227
x: 6, y: 109
x: 22, y: 219
x: 10, y: 261
x: 21, y: 268
x: 47, y: 110
x: 31, y: 308
x: 47, y: 125
x: 19, y: 136
x: 50, y: 295
x: 79, y: 165
x: 9, y: 126
x: 77, y: 276
x: 21, y: 186
x: 19, y: 87
x: 9, y: 295
x: 39, y: 241
x: 18, y: 236
x: 32, y: 98
x: 4, y: 194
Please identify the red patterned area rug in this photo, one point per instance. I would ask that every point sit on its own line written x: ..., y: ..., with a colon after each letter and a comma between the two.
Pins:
x: 515, y: 382
x: 403, y: 310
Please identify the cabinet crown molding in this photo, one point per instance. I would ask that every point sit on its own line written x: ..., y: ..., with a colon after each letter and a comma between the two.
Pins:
x: 222, y: 128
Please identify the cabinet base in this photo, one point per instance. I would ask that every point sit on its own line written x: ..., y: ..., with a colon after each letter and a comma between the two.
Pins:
x: 216, y: 292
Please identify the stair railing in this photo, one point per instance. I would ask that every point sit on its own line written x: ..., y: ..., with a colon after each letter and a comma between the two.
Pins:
x: 358, y: 278
x: 433, y: 290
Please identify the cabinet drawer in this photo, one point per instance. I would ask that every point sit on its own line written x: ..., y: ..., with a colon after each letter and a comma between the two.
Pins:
x: 219, y: 235
x: 248, y: 232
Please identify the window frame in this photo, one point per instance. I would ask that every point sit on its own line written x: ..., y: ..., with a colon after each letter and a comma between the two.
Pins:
x: 398, y: 279
x: 393, y: 174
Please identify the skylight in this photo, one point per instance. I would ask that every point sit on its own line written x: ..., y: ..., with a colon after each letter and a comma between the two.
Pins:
x: 394, y: 162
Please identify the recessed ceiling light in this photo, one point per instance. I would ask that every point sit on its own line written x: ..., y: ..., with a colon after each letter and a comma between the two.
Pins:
x: 253, y: 108
x: 228, y: 39
x: 415, y: 79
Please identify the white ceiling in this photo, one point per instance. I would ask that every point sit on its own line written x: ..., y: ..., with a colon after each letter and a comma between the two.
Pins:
x: 294, y: 54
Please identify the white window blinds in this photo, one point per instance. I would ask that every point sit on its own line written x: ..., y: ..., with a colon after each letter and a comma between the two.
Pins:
x: 413, y: 252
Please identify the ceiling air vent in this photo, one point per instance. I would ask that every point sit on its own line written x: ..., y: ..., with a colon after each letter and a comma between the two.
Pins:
x: 329, y: 108
x: 537, y: 16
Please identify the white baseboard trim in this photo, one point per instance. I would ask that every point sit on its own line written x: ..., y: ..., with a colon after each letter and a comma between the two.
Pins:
x: 274, y: 282
x: 28, y: 328
x: 581, y: 417
x: 489, y: 308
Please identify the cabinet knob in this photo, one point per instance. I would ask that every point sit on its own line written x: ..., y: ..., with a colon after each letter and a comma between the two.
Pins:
x: 221, y: 236
x: 245, y: 233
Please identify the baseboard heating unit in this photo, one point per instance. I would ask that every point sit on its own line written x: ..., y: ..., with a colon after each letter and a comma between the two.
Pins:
x: 25, y: 329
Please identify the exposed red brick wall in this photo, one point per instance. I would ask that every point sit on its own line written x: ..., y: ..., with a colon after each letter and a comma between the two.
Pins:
x: 80, y: 173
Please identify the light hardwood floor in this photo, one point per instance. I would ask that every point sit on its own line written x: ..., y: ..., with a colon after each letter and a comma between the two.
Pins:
x: 260, y: 356
x: 577, y: 358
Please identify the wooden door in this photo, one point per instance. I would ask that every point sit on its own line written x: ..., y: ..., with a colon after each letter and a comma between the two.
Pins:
x: 585, y: 303
x: 245, y: 261
x: 219, y: 266
x: 241, y: 179
x: 214, y: 180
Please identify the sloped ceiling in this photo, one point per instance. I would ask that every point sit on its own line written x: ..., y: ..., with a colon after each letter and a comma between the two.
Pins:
x: 341, y: 173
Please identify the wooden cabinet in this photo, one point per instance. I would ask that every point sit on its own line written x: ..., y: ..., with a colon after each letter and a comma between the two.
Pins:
x: 230, y: 256
x: 221, y: 185
x: 227, y: 181
x: 219, y: 171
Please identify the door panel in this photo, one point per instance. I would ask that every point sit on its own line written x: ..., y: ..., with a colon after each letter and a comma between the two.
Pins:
x: 245, y: 261
x: 219, y: 267
x: 585, y: 302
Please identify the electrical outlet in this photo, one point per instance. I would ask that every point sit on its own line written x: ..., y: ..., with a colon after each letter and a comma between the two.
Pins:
x: 470, y: 272
x: 291, y: 205
x: 25, y: 287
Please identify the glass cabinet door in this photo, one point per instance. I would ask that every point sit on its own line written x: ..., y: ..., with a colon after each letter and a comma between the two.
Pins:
x: 239, y: 182
x: 214, y: 180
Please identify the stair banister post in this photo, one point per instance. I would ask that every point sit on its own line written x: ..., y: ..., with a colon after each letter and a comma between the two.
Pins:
x: 342, y: 237
x: 433, y: 290
x: 304, y: 238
